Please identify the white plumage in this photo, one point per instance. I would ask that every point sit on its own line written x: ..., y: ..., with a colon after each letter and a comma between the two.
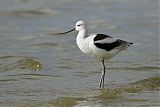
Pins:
x: 96, y: 45
x: 99, y: 46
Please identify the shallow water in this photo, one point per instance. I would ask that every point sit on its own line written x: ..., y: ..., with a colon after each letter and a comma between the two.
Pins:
x: 38, y: 69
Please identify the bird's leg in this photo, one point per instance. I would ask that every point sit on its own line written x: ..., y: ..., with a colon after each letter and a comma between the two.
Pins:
x: 104, y: 71
x: 101, y: 84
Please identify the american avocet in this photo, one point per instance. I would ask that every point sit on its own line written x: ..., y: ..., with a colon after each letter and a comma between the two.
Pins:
x: 99, y: 46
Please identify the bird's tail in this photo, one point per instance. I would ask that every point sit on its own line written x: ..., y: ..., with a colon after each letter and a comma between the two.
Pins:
x: 124, y: 44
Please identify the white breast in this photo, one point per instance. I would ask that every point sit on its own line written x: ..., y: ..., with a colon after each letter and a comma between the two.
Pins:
x: 83, y: 45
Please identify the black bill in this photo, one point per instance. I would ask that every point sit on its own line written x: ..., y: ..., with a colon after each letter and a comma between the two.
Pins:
x: 62, y: 32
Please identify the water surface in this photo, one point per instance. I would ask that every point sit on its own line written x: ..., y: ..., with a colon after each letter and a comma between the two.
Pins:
x: 37, y: 69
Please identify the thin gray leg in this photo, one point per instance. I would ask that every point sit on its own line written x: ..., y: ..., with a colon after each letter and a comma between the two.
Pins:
x: 101, y: 84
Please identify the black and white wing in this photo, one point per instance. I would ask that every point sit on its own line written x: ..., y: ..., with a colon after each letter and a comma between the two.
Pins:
x: 109, y: 43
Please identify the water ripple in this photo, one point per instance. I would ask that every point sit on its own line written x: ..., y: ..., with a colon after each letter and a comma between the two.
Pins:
x: 8, y: 63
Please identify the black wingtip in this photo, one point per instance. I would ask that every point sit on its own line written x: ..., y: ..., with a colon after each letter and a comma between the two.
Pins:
x: 131, y: 43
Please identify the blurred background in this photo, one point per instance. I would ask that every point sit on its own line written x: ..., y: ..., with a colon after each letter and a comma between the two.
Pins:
x: 38, y: 69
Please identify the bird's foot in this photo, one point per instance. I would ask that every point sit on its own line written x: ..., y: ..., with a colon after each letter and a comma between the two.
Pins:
x: 101, y: 84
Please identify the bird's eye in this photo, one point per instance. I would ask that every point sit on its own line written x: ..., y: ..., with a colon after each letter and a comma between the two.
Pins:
x: 78, y: 25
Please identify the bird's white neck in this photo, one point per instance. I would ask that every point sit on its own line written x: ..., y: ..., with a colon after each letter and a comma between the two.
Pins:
x: 82, y: 34
x: 82, y: 41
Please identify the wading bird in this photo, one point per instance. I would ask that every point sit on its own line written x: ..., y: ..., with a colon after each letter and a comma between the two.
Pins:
x: 99, y: 46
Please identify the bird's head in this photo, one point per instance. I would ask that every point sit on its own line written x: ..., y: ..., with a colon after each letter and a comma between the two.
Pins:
x: 80, y: 25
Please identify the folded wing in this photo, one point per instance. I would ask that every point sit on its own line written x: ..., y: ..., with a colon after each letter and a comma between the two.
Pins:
x: 108, y: 43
